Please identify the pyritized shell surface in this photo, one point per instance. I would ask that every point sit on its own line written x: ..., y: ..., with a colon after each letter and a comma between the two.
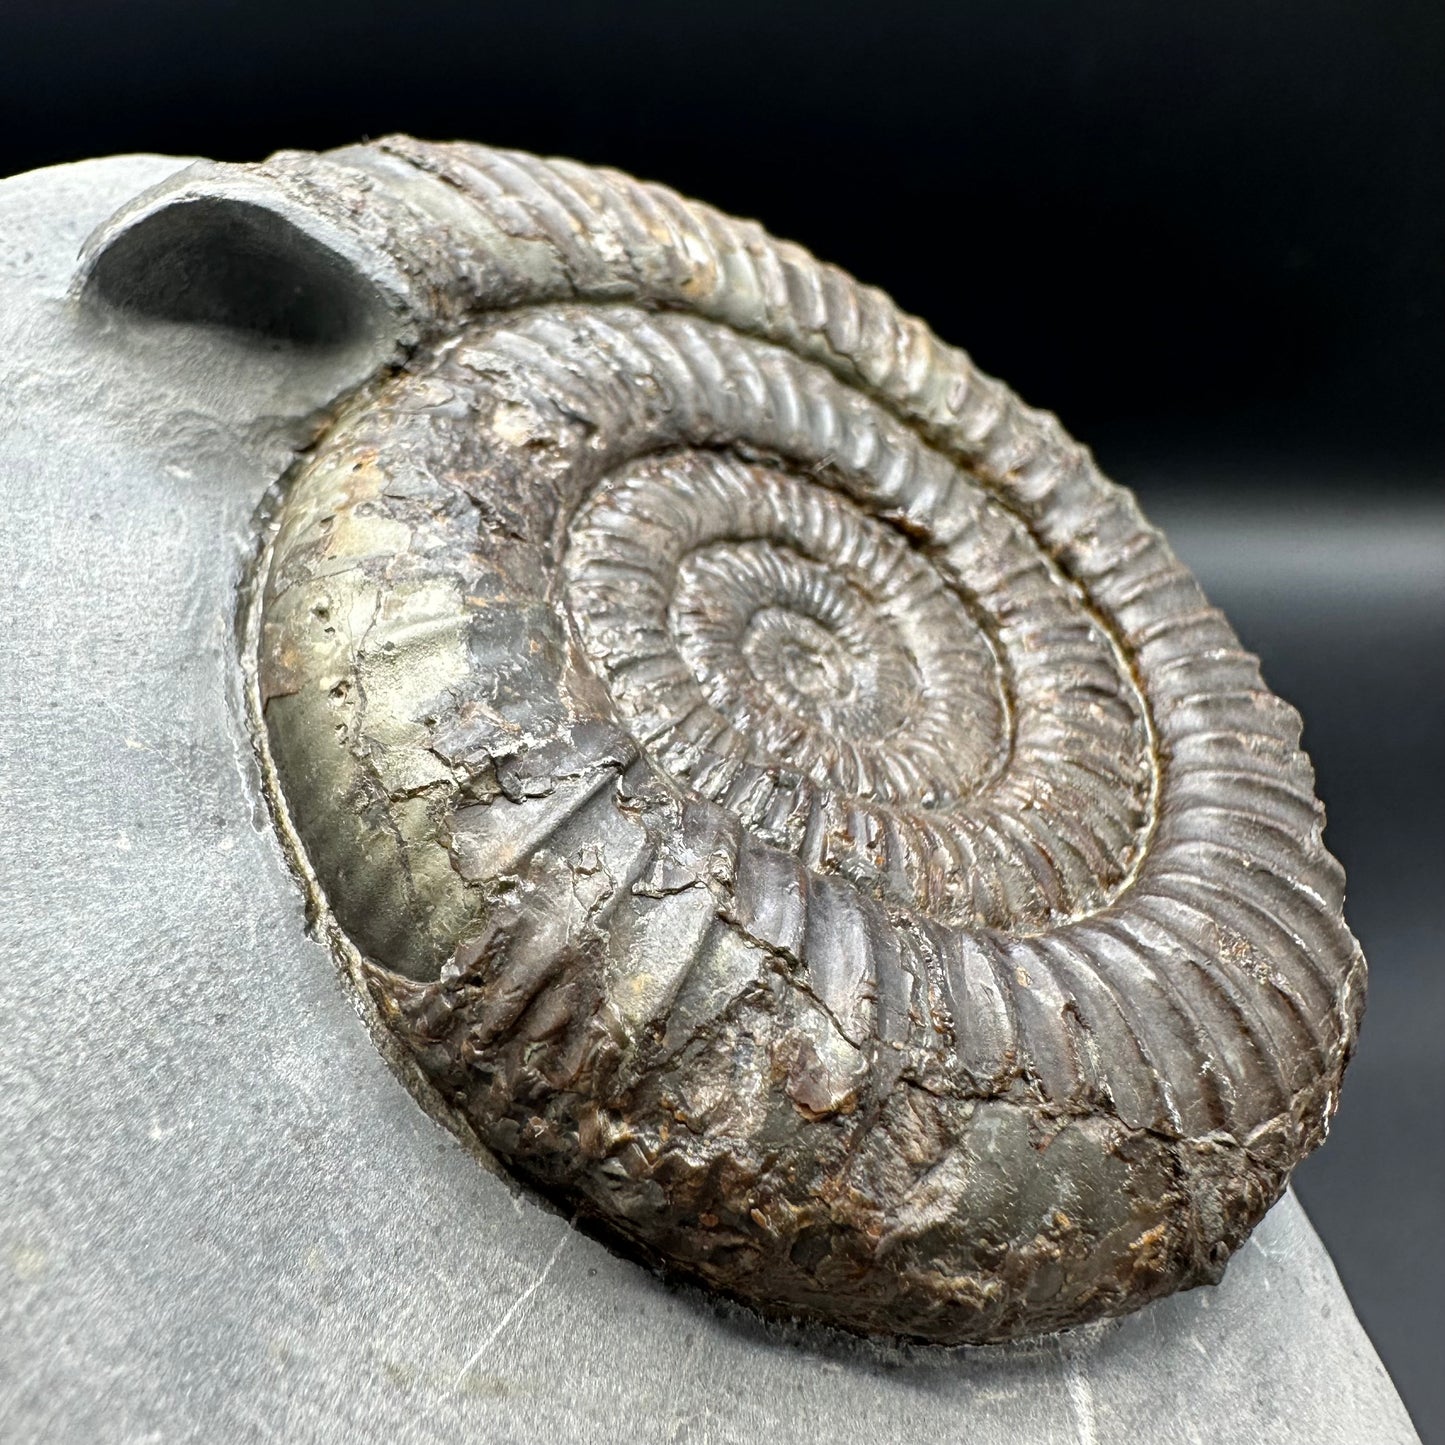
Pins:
x: 787, y: 802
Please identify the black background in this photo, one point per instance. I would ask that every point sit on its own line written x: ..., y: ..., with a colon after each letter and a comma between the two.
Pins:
x: 1211, y: 236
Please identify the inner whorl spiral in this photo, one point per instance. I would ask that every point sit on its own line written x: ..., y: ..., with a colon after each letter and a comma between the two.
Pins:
x: 956, y: 730
x: 787, y: 804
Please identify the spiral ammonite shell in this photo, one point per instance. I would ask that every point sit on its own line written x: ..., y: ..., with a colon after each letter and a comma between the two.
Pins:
x: 788, y: 803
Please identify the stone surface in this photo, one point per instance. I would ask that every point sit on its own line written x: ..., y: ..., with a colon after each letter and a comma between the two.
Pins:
x: 221, y: 1217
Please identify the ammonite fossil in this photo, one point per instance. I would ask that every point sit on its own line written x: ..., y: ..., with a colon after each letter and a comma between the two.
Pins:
x: 785, y: 800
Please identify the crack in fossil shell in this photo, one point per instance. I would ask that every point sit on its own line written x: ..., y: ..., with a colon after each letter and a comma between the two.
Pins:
x: 791, y: 807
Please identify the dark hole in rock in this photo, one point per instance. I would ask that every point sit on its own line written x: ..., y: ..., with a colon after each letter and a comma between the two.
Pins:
x: 224, y: 262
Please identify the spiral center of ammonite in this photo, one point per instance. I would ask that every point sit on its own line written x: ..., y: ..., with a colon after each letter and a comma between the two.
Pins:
x: 804, y: 659
x: 768, y: 630
x: 809, y: 667
x: 759, y: 621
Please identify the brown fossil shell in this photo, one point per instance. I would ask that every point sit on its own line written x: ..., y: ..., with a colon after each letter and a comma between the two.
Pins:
x: 787, y: 801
